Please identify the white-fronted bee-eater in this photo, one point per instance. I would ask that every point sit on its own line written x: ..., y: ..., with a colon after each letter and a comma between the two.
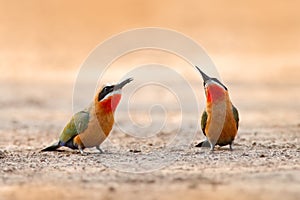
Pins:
x: 91, y: 126
x: 220, y: 119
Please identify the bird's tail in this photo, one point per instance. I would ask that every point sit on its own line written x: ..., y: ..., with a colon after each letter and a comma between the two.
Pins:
x: 204, y: 143
x: 52, y: 147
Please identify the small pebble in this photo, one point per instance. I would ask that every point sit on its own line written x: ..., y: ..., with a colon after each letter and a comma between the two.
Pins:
x: 2, y: 155
x: 245, y: 154
x: 5, y: 169
x: 135, y: 151
x: 111, y: 189
x: 193, y: 186
x: 150, y: 181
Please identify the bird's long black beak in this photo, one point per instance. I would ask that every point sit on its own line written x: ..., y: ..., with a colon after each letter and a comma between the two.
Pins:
x: 207, y: 78
x: 122, y: 84
x: 204, y: 76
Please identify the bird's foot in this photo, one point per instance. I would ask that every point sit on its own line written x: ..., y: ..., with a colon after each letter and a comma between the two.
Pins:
x: 99, y: 149
x: 82, y: 152
x: 212, y: 147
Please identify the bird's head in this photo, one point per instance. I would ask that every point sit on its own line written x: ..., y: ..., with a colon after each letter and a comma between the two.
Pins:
x: 110, y: 95
x: 214, y: 89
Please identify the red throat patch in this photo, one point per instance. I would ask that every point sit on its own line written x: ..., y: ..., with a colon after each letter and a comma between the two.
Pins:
x: 110, y: 104
x: 214, y: 93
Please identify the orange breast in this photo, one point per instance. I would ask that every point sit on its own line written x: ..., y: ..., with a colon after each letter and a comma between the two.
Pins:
x: 105, y: 117
x: 229, y: 130
x: 221, y: 126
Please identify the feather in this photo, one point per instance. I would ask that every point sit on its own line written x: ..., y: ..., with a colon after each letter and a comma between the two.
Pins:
x: 52, y: 147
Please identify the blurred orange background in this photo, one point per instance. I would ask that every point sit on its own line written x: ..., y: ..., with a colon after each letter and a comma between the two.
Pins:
x: 247, y: 40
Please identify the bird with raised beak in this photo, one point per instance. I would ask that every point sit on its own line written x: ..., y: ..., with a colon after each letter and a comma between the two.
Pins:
x: 220, y: 119
x: 91, y: 126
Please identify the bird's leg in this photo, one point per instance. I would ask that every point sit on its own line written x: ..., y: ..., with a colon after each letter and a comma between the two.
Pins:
x: 212, y: 146
x: 81, y: 150
x: 99, y: 149
x: 230, y: 146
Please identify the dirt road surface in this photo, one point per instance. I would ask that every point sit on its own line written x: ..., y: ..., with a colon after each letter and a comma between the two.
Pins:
x: 265, y: 163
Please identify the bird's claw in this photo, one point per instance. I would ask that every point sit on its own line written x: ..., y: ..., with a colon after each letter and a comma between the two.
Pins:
x: 99, y: 149
x: 82, y: 152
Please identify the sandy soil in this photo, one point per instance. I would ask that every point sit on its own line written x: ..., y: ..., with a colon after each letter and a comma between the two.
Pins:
x: 265, y: 163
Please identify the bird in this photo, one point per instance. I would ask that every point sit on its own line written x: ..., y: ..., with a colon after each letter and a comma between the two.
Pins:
x: 91, y: 126
x: 220, y: 118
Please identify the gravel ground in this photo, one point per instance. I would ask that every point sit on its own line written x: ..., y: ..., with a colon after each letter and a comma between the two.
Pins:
x: 265, y: 162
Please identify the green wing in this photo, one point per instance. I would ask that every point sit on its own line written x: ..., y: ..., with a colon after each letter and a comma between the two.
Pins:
x: 236, y: 116
x: 203, y: 121
x: 77, y: 124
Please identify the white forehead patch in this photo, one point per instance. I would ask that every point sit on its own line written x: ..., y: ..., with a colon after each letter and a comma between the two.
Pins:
x: 108, y: 84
